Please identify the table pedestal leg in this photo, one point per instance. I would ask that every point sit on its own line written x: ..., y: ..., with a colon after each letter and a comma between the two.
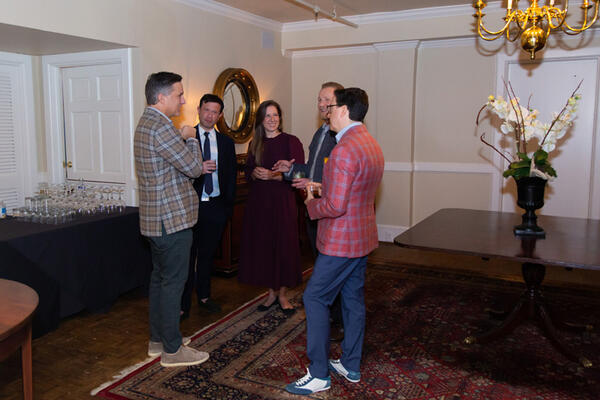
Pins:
x: 531, y: 306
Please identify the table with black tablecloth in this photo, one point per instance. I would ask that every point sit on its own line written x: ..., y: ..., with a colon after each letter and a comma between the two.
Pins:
x: 81, y: 265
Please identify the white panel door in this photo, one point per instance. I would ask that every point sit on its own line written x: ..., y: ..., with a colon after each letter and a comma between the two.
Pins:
x: 93, y: 108
x: 11, y: 149
x: 551, y: 82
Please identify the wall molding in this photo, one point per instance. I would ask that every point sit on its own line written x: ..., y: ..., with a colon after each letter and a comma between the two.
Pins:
x: 333, y: 51
x: 390, y: 46
x: 462, y: 168
x: 234, y: 13
x: 468, y: 41
x: 398, y: 166
x: 387, y: 233
x: 444, y: 167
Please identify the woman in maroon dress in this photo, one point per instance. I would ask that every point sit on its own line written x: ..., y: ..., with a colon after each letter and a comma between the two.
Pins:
x: 270, y: 250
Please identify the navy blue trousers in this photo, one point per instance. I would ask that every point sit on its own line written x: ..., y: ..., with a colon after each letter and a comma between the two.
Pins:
x: 333, y: 275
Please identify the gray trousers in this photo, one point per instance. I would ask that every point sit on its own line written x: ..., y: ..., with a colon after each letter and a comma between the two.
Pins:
x: 170, y: 262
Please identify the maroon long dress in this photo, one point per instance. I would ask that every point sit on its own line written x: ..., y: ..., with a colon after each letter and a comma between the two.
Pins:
x: 270, y: 248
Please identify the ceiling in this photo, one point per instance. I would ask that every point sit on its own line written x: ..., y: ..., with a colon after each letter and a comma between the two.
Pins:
x: 288, y: 11
x: 18, y: 39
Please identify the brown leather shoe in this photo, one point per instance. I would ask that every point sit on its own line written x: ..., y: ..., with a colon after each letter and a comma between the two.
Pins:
x: 336, y: 333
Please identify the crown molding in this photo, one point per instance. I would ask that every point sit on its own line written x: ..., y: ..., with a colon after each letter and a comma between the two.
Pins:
x: 373, y: 18
x: 233, y: 13
x: 394, y: 16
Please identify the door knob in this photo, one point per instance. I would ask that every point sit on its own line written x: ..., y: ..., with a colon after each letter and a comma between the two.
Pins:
x: 67, y: 164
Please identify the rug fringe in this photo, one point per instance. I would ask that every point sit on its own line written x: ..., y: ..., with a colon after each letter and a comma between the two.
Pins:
x: 120, y: 375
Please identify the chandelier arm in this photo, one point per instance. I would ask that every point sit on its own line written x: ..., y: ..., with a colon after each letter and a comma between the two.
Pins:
x: 586, y: 25
x: 492, y: 33
x: 519, y: 15
x: 550, y: 17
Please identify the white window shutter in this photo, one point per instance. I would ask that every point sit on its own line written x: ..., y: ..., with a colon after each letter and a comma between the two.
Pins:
x: 10, y: 181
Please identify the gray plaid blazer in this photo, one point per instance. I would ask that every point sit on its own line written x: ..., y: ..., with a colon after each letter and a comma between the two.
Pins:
x: 165, y: 164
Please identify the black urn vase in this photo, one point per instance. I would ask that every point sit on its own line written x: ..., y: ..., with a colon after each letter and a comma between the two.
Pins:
x: 530, y: 197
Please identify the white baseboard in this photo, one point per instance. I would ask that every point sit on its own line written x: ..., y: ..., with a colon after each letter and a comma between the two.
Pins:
x: 387, y: 233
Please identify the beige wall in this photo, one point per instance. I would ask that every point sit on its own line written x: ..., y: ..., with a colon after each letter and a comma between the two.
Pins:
x: 425, y: 87
x: 423, y: 103
x: 426, y: 81
x: 167, y: 35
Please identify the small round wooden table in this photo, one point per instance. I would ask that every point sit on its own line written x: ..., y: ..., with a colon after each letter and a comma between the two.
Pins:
x: 17, y: 304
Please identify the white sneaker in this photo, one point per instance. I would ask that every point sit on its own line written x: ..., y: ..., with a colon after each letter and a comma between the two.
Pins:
x: 336, y: 366
x: 309, y: 384
x: 156, y: 348
x: 185, y: 356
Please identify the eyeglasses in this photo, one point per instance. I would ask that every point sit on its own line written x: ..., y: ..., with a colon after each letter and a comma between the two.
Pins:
x: 332, y: 105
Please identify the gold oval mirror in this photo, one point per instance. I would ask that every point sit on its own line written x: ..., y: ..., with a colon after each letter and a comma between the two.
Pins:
x: 240, y: 97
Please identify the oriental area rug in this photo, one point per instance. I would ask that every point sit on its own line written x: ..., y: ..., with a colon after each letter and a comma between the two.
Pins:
x: 416, y: 321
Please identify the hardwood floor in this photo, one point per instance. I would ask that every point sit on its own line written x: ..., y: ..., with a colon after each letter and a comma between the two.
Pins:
x: 88, y: 349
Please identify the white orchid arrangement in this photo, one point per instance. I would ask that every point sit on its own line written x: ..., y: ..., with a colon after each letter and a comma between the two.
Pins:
x: 523, y: 124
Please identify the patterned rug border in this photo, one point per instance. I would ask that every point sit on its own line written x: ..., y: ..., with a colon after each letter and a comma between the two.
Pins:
x: 126, y: 373
x: 403, y: 270
x: 130, y: 371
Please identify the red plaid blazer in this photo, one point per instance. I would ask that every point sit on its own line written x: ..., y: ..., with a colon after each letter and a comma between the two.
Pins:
x: 346, y: 209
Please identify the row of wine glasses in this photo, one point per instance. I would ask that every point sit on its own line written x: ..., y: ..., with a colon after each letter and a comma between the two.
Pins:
x: 61, y: 203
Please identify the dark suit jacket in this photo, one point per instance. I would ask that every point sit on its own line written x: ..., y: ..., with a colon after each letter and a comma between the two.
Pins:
x: 314, y: 158
x: 226, y: 171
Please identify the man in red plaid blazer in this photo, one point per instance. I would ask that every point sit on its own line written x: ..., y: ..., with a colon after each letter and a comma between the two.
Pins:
x: 347, y: 233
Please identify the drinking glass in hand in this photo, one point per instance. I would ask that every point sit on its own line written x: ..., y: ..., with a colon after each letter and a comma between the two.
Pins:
x: 299, y: 175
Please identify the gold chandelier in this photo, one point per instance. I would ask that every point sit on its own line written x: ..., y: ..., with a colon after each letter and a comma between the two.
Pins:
x: 534, y: 24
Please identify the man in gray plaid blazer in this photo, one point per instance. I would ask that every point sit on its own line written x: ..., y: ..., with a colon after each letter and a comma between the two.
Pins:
x: 166, y: 161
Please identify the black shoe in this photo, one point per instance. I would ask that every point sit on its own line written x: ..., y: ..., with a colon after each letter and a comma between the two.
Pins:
x: 336, y: 333
x: 209, y: 306
x: 288, y: 312
x: 262, y: 307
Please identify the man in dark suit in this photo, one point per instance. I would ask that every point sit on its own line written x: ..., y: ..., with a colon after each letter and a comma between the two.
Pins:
x: 320, y: 147
x: 216, y: 192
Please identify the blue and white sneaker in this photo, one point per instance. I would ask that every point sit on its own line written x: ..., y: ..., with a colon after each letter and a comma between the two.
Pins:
x: 336, y: 366
x: 308, y: 384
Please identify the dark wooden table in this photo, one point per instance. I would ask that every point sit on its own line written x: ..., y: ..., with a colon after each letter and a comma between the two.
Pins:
x: 569, y: 242
x: 17, y: 304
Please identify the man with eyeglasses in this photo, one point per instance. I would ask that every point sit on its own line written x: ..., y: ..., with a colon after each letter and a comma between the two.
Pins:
x: 347, y: 234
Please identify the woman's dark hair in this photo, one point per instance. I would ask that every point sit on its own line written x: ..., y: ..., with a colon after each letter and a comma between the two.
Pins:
x: 257, y: 143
